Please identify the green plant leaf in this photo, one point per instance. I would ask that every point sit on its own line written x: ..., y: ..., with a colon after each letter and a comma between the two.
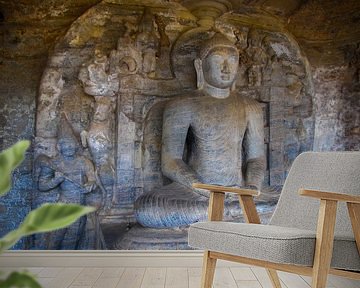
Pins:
x: 10, y: 239
x: 53, y: 216
x: 9, y: 160
x: 46, y: 218
x: 19, y: 280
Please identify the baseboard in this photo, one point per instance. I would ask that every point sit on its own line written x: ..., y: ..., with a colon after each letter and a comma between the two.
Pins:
x: 54, y: 258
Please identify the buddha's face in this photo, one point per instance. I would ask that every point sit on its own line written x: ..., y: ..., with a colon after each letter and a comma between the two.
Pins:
x: 220, y: 67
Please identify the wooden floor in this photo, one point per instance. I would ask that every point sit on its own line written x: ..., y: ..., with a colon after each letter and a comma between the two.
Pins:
x: 176, y: 277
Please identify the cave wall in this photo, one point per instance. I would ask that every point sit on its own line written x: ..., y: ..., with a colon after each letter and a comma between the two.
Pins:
x: 337, y: 104
x: 329, y: 117
x: 331, y: 42
x: 19, y: 80
x: 27, y: 36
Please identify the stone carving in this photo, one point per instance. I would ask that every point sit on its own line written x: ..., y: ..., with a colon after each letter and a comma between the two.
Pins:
x: 73, y: 176
x: 96, y: 78
x: 127, y: 63
x: 147, y: 42
x: 100, y: 80
x: 99, y: 141
x: 164, y: 69
x: 126, y: 59
x: 258, y: 58
x: 117, y: 107
x: 255, y: 49
x: 241, y: 35
x: 254, y: 76
x: 216, y: 127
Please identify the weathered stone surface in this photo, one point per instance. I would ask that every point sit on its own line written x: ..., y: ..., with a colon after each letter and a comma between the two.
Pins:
x: 140, y: 238
x: 324, y: 28
x: 328, y: 34
x: 73, y: 178
x: 17, y: 121
x: 337, y: 103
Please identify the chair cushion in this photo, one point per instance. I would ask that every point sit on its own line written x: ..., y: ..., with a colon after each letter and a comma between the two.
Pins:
x: 270, y: 243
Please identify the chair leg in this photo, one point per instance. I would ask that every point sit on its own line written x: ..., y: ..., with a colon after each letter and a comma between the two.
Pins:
x: 274, y: 278
x: 324, y: 243
x: 208, y: 271
x: 354, y: 212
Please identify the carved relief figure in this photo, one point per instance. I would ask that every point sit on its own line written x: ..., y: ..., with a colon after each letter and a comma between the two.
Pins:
x: 258, y: 56
x: 241, y: 37
x: 96, y: 78
x: 99, y: 141
x: 98, y: 81
x: 126, y: 59
x: 254, y: 75
x: 73, y: 175
x: 163, y: 64
x: 147, y: 42
x: 216, y: 126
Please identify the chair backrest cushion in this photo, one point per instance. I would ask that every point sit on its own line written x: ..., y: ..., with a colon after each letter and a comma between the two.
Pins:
x: 326, y: 171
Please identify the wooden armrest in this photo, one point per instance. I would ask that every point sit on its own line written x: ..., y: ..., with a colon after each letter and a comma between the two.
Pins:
x: 216, y: 202
x: 223, y: 189
x: 330, y: 196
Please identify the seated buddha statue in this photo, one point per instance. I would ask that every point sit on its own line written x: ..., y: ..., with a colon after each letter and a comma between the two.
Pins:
x: 212, y: 135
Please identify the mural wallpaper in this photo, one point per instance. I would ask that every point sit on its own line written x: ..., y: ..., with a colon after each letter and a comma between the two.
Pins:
x: 137, y: 102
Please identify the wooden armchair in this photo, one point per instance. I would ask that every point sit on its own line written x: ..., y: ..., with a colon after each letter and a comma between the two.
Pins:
x: 302, y: 237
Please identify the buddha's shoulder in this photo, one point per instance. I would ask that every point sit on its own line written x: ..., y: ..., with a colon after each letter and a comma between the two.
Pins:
x: 184, y: 101
x: 249, y: 103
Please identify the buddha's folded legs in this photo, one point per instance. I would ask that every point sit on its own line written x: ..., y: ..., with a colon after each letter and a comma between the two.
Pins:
x: 173, y: 205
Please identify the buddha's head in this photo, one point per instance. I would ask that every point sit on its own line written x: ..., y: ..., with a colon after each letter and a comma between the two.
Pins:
x: 217, y: 63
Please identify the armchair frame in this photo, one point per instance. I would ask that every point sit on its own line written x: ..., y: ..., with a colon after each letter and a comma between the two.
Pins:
x: 324, y: 235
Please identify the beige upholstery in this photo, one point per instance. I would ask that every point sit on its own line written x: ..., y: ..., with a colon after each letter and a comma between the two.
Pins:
x: 290, y: 236
x: 270, y: 243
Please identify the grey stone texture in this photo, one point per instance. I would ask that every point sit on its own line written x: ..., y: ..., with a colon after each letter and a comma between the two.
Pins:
x: 45, y: 45
x: 337, y: 118
x: 69, y: 177
x: 204, y: 140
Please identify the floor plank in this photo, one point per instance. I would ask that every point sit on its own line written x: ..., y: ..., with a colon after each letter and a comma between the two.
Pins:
x: 340, y: 282
x: 177, y: 278
x: 50, y: 272
x: 34, y: 270
x: 65, y: 278
x: 293, y: 280
x: 154, y: 278
x: 112, y: 272
x: 87, y: 277
x: 194, y: 275
x: 248, y: 284
x: 308, y: 280
x: 263, y: 278
x: 132, y: 277
x: 243, y: 274
x: 171, y: 277
x: 224, y: 278
x: 106, y: 282
x: 44, y: 282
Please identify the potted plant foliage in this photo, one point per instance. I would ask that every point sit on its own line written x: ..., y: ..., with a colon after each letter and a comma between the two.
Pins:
x: 47, y: 217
